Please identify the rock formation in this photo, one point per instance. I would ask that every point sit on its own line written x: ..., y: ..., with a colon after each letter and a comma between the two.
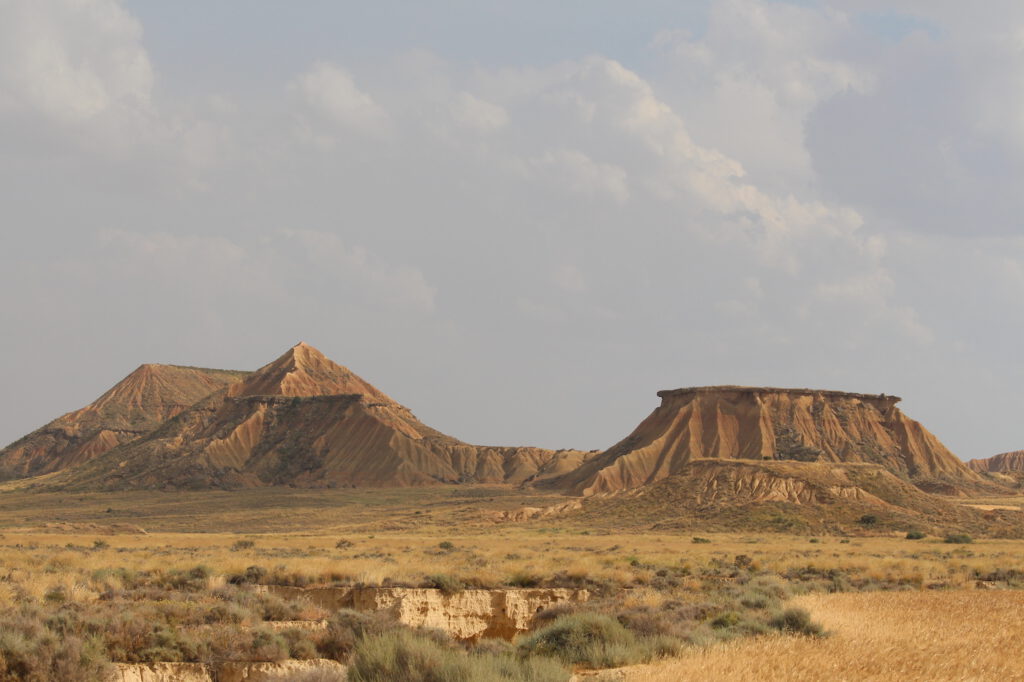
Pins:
x: 465, y: 615
x: 135, y: 406
x: 734, y: 422
x: 792, y: 496
x: 304, y: 420
x: 1004, y: 463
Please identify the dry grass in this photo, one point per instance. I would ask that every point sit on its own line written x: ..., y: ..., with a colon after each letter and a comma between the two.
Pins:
x: 930, y: 635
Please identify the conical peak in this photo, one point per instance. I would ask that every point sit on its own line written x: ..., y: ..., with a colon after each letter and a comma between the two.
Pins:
x: 304, y: 371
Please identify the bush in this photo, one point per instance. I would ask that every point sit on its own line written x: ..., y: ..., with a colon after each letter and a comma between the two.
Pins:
x: 915, y: 535
x: 868, y: 520
x: 958, y: 539
x: 30, y: 652
x: 524, y: 579
x: 242, y: 544
x: 448, y: 584
x: 796, y: 621
x: 417, y: 657
x: 700, y: 541
x: 345, y: 628
x: 592, y: 640
x: 447, y: 546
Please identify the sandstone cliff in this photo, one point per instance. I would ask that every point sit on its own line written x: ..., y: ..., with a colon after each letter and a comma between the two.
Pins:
x: 304, y: 420
x: 135, y: 406
x: 1007, y: 462
x: 734, y: 422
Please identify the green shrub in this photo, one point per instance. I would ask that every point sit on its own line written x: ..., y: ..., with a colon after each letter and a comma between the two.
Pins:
x: 410, y: 656
x: 448, y: 584
x: 446, y: 546
x: 868, y: 520
x: 524, y: 579
x: 797, y: 621
x: 958, y: 539
x: 593, y: 640
x: 242, y: 544
x: 700, y: 541
x: 345, y: 628
x: 29, y: 651
x: 915, y: 535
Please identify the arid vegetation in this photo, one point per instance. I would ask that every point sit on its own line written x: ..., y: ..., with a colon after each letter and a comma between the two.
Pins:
x: 914, y: 635
x: 91, y: 586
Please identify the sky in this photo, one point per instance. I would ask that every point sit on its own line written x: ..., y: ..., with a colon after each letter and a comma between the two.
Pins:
x: 521, y: 220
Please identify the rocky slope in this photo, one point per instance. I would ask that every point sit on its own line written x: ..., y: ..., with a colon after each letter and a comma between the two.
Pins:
x: 304, y: 420
x: 734, y: 422
x: 135, y: 406
x: 1004, y: 463
x: 729, y: 494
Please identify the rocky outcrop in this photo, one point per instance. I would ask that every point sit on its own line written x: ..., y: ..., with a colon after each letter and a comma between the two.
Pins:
x: 734, y: 422
x: 230, y: 671
x: 1007, y: 462
x: 790, y: 496
x: 286, y: 424
x: 134, y: 407
x: 465, y: 615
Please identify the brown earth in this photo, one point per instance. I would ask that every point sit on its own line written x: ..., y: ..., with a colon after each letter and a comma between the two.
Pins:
x: 465, y: 615
x: 734, y: 422
x: 1004, y: 463
x: 722, y: 494
x: 135, y: 406
x: 304, y: 420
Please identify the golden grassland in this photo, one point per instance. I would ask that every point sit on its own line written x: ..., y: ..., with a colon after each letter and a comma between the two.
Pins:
x: 923, y: 635
x: 929, y: 622
x: 395, y: 535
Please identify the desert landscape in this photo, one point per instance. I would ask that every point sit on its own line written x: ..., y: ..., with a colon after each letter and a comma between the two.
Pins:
x: 449, y: 341
x: 294, y: 522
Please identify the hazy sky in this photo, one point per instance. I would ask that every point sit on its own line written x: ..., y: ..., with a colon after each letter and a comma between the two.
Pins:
x: 520, y: 219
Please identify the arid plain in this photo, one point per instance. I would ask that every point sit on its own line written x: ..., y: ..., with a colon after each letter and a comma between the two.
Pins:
x: 738, y: 533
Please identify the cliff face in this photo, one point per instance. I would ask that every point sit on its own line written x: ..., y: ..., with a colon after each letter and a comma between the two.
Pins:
x: 733, y: 422
x: 135, y: 406
x: 287, y: 424
x: 1007, y: 462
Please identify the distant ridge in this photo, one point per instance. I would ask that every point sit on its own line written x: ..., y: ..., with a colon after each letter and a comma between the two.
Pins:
x: 1004, y: 463
x: 133, y: 407
x: 304, y: 420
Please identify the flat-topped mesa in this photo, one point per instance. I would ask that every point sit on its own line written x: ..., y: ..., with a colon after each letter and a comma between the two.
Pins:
x: 764, y: 423
x: 879, y: 399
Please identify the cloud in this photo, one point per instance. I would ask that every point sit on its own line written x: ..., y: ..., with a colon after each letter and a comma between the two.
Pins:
x: 334, y: 99
x: 787, y: 197
x: 577, y: 172
x: 72, y: 61
x: 748, y: 84
x: 279, y: 265
x: 476, y: 114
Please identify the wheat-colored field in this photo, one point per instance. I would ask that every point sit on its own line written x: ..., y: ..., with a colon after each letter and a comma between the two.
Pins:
x: 396, y: 535
x: 922, y: 635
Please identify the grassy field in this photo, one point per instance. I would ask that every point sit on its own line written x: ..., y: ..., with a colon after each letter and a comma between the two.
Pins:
x: 953, y: 635
x: 190, y: 559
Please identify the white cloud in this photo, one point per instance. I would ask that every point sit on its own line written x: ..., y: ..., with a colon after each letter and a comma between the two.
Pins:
x: 72, y: 60
x: 333, y: 96
x: 577, y: 172
x: 476, y: 114
x: 747, y: 85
